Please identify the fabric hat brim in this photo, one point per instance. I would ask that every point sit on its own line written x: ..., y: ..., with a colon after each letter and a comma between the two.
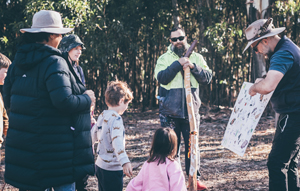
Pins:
x: 48, y: 30
x: 71, y: 47
x: 78, y: 44
x: 272, y: 33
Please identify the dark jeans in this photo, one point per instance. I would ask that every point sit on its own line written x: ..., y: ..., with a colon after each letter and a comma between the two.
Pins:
x: 182, y: 126
x: 65, y: 187
x: 284, y: 155
x: 109, y: 180
x: 80, y: 185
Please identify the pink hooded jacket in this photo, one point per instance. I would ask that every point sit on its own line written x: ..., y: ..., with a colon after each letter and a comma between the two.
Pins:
x: 163, y: 177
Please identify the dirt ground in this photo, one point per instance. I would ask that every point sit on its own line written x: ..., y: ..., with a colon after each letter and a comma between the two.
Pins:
x: 221, y: 169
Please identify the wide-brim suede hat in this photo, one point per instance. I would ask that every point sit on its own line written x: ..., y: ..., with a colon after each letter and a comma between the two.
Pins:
x: 47, y: 21
x: 260, y: 29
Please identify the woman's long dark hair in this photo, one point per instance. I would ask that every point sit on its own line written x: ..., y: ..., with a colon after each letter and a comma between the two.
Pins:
x: 164, y: 145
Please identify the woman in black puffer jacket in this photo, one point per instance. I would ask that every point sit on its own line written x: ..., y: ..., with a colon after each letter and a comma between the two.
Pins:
x: 48, y: 143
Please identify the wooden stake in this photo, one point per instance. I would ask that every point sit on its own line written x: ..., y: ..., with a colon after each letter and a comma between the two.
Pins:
x: 193, y: 149
x: 192, y: 182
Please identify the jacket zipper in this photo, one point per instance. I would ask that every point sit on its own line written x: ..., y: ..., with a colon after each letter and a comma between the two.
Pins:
x: 183, y: 90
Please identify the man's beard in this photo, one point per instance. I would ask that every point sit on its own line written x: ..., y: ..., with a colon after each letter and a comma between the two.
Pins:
x: 269, y: 54
x: 180, y: 50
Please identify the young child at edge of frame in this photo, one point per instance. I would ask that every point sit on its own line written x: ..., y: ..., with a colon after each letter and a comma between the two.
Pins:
x: 4, y: 64
x: 160, y: 171
x: 112, y: 160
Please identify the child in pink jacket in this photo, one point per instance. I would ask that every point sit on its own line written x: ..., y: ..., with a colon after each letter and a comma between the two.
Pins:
x: 160, y: 172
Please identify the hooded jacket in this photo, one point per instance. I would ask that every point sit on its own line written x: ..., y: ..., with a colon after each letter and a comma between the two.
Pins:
x: 168, y: 72
x: 77, y: 69
x: 48, y: 142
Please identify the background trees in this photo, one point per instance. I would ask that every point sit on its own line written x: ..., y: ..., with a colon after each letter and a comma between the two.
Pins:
x: 124, y: 38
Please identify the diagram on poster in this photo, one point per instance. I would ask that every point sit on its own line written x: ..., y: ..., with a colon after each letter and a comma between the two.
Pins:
x: 244, y: 118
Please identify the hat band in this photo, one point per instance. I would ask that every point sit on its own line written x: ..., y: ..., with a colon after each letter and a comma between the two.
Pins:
x: 259, y: 35
x: 38, y: 27
x: 263, y: 29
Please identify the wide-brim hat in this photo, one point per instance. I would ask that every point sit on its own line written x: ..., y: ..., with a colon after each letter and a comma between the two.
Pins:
x: 47, y: 21
x: 260, y: 29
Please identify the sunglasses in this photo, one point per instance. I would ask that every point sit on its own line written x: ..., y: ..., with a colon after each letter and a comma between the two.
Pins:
x: 255, y: 47
x: 178, y: 38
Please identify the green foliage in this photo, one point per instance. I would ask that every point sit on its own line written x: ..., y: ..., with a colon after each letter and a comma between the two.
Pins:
x: 219, y: 33
x: 288, y: 14
x: 290, y: 6
x: 124, y: 38
x: 4, y: 39
x: 73, y: 12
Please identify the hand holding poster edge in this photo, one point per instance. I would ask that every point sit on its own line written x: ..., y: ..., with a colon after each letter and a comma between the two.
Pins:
x: 244, y: 118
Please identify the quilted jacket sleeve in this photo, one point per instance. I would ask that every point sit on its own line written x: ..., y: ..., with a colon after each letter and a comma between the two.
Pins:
x: 58, y: 84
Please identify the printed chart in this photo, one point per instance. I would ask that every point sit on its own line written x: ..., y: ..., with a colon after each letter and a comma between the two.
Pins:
x: 244, y: 118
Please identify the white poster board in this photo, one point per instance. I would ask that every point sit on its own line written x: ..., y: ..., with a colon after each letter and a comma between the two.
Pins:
x: 244, y: 118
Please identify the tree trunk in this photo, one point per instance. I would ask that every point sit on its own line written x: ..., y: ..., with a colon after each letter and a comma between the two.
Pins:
x: 258, y: 61
x: 259, y: 66
x: 259, y: 9
x: 175, y: 13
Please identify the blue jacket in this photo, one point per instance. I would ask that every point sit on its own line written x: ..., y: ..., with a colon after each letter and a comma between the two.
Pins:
x: 48, y: 142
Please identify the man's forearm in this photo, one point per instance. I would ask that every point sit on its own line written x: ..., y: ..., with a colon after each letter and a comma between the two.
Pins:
x: 166, y: 76
x: 266, y: 85
x: 201, y: 75
x: 260, y: 87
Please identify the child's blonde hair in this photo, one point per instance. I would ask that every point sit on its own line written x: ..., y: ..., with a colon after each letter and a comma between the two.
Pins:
x: 4, y: 61
x: 115, y: 91
x: 164, y: 145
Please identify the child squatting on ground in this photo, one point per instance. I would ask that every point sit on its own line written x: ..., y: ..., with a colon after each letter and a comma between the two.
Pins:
x: 160, y: 171
x: 112, y: 160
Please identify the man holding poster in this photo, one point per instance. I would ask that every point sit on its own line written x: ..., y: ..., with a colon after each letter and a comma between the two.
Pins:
x: 283, y: 77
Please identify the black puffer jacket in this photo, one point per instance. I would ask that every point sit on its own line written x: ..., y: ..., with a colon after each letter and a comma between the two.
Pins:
x: 48, y: 142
